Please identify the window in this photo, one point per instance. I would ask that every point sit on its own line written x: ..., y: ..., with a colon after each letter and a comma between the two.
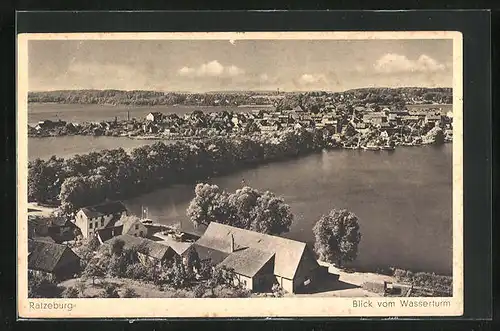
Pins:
x: 141, y: 234
x: 137, y: 226
x: 90, y: 225
x: 102, y: 222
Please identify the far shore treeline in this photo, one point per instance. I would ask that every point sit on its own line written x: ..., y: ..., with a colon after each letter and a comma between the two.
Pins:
x: 92, y: 178
x: 401, y: 96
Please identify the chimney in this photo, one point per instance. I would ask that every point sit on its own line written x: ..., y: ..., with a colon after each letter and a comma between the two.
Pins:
x: 232, y: 243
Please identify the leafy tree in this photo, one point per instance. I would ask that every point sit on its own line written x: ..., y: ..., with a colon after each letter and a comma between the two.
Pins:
x: 117, y: 247
x: 87, y: 250
x: 94, y: 270
x: 271, y: 215
x: 44, y: 179
x: 247, y: 208
x: 337, y: 237
x: 208, y: 205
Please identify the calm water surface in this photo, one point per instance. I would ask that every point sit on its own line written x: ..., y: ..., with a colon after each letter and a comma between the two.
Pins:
x: 403, y: 201
x: 67, y: 146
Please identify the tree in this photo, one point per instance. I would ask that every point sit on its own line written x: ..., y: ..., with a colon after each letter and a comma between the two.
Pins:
x: 271, y: 215
x: 247, y: 208
x: 87, y: 250
x: 337, y: 237
x: 94, y: 270
x: 208, y: 205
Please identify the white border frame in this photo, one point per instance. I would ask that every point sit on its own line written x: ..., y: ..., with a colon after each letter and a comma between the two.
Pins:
x: 248, y: 307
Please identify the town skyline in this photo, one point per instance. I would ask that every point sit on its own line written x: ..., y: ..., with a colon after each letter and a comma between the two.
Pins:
x: 244, y: 65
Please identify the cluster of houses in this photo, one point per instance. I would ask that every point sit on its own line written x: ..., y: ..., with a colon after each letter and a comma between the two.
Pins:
x: 271, y: 120
x: 335, y: 114
x: 259, y: 261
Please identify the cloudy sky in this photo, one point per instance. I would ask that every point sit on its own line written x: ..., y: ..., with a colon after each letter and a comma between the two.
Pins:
x: 210, y: 65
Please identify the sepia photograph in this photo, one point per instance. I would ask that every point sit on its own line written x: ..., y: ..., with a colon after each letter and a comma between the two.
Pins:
x: 240, y: 174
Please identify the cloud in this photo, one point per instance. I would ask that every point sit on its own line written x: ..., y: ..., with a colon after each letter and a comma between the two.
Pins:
x: 104, y: 75
x: 264, y: 77
x: 392, y: 63
x: 211, y: 69
x: 312, y: 79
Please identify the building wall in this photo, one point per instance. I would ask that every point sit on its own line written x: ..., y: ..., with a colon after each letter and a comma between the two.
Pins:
x: 140, y: 231
x: 264, y: 279
x: 287, y: 284
x: 306, y: 271
x: 246, y: 282
x: 84, y: 223
x: 81, y: 221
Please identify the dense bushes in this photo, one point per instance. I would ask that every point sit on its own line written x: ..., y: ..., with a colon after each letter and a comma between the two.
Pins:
x: 42, y: 286
x: 110, y: 174
x: 439, y: 283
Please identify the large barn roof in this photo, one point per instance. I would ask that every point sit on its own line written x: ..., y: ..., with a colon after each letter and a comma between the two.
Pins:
x: 288, y: 252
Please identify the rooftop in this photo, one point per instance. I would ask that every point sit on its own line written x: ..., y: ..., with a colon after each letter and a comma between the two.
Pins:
x: 288, y: 253
x: 104, y: 209
x: 44, y: 256
x: 247, y: 261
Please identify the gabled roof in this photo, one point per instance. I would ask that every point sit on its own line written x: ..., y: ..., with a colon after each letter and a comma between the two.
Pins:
x: 179, y: 247
x: 248, y: 261
x: 143, y: 245
x: 298, y: 109
x: 288, y: 253
x: 128, y: 223
x: 45, y: 256
x: 206, y: 253
x: 104, y: 209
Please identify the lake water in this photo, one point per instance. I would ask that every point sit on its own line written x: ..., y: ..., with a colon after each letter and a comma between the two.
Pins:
x: 95, y: 113
x: 67, y: 146
x: 403, y: 201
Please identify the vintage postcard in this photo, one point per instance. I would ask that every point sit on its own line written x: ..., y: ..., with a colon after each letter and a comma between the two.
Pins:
x: 280, y: 174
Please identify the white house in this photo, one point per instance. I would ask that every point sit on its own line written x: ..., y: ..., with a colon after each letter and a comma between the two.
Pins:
x: 155, y: 117
x: 93, y: 218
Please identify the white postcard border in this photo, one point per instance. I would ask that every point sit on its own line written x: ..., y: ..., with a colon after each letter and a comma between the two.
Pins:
x: 248, y: 307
